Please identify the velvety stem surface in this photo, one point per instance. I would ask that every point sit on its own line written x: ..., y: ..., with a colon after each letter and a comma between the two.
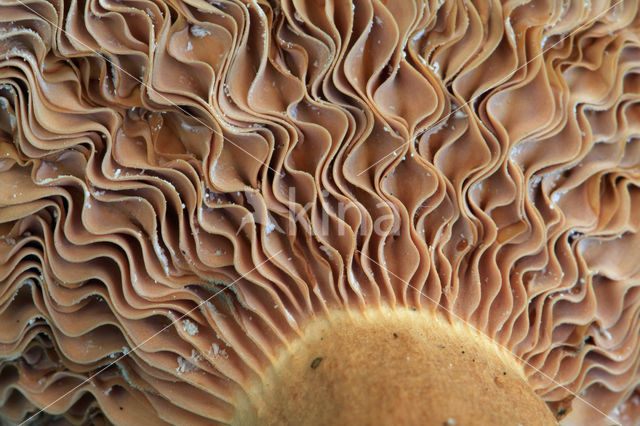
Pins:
x: 393, y: 367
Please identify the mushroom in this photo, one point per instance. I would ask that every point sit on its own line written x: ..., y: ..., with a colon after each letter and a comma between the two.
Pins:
x: 319, y: 212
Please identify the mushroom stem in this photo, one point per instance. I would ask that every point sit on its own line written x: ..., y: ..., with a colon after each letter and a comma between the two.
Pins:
x: 393, y: 367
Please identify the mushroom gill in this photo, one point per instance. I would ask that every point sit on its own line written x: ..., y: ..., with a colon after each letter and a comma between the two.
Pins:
x: 312, y: 212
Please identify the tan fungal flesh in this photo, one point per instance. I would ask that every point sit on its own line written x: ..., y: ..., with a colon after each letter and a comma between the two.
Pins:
x: 388, y: 368
x: 476, y: 160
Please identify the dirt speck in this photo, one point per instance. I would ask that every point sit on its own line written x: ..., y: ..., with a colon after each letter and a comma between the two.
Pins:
x: 316, y: 362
